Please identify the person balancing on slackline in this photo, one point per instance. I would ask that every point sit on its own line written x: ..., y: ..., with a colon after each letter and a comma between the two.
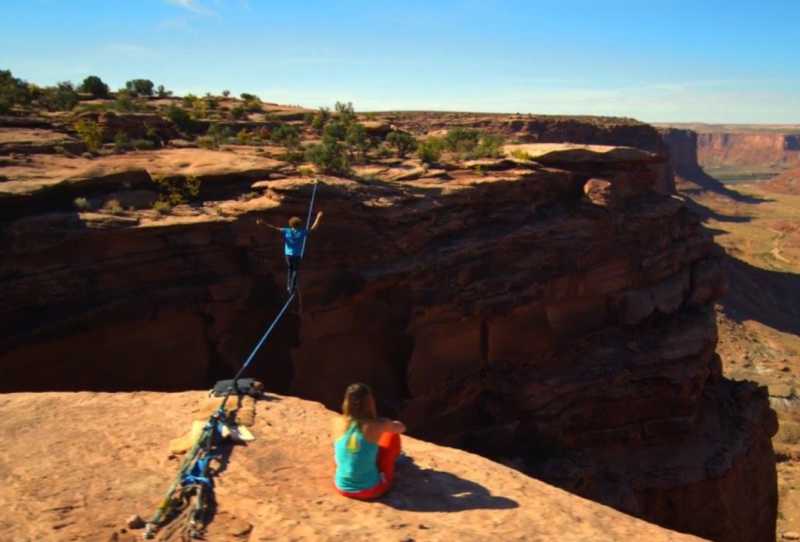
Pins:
x: 293, y: 241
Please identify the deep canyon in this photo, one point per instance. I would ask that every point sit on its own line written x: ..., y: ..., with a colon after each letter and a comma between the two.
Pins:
x: 552, y: 309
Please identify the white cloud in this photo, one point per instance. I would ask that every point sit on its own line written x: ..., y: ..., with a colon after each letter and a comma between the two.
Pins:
x: 192, y: 5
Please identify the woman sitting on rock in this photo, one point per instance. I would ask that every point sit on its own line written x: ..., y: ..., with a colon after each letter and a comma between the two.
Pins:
x: 365, y: 446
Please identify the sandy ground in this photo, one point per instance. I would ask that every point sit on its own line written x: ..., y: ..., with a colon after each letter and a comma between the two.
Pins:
x: 74, y: 466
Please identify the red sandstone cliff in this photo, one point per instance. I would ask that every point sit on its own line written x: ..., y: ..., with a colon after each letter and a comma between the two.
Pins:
x: 749, y: 150
x: 556, y: 312
x: 746, y: 148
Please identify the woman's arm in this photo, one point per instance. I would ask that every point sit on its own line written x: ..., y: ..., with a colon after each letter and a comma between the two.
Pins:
x: 316, y: 221
x: 392, y: 426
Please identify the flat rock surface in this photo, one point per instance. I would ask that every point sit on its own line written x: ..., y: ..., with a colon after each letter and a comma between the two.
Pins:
x: 44, y: 170
x: 30, y: 135
x: 76, y: 466
x: 570, y: 152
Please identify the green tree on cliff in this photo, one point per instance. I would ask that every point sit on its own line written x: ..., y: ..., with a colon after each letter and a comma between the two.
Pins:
x: 402, y: 141
x: 94, y: 86
x: 13, y: 91
x: 140, y: 87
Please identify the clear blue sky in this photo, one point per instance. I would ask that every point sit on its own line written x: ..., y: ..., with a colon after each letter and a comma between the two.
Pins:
x: 671, y: 60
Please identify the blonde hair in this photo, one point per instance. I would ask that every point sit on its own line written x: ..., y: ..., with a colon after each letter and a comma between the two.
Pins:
x: 295, y: 222
x: 358, y: 406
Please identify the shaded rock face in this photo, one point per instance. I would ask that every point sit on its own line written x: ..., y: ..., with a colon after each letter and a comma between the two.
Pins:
x: 133, y: 125
x: 539, y: 313
x: 683, y: 147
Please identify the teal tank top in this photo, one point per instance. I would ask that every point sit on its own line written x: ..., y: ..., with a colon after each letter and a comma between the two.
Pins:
x: 356, y: 461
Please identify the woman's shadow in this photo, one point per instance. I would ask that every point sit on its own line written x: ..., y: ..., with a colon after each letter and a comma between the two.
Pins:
x: 430, y: 490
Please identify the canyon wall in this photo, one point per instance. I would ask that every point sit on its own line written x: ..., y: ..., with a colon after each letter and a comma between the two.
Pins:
x: 555, y: 313
x: 748, y: 150
x: 683, y: 150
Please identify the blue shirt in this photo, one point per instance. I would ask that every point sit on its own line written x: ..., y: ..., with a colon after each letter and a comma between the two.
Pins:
x: 356, y: 461
x: 293, y: 241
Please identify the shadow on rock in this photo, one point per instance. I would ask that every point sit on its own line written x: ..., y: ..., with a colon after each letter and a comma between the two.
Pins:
x: 705, y: 182
x: 769, y: 297
x: 430, y: 490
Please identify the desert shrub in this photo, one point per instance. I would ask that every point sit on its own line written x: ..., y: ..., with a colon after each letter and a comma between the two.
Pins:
x: 245, y: 137
x: 226, y: 93
x: 253, y: 106
x: 249, y: 97
x: 330, y: 157
x: 383, y: 151
x: 286, y: 135
x: 176, y: 190
x: 462, y: 140
x: 345, y: 112
x: 238, y: 112
x: 402, y: 141
x: 162, y: 92
x: 295, y: 155
x: 211, y: 101
x: 189, y: 100
x: 200, y: 109
x: 61, y: 97
x: 14, y: 91
x: 519, y: 154
x: 162, y: 206
x: 181, y: 118
x: 151, y: 134
x: 357, y: 141
x: 218, y: 134
x: 94, y: 86
x: 113, y: 206
x: 121, y: 141
x: 125, y: 102
x: 143, y: 144
x: 206, y: 142
x: 247, y: 196
x: 305, y: 171
x: 335, y: 129
x: 90, y: 133
x: 82, y: 204
x: 430, y: 150
x: 343, y: 140
x: 489, y: 146
x: 308, y: 118
x: 320, y: 119
x: 140, y: 87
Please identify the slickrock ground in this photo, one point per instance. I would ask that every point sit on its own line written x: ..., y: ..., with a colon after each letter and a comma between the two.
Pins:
x: 75, y: 466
